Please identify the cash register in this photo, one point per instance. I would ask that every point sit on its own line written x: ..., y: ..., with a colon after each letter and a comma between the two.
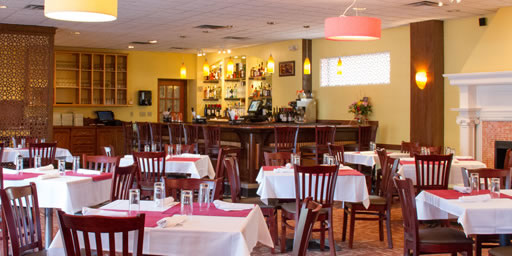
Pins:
x: 255, y: 112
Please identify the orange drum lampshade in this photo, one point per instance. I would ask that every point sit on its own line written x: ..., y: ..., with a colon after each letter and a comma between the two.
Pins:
x: 352, y: 28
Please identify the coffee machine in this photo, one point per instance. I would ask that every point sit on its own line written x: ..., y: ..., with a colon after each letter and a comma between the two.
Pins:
x: 305, y: 110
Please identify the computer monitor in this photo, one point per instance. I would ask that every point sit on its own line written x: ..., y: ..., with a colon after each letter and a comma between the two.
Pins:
x: 254, y: 107
x: 105, y: 116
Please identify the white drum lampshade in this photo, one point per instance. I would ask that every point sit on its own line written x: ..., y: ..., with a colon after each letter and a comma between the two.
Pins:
x: 81, y: 10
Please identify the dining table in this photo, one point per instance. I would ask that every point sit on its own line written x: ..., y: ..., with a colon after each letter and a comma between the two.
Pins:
x: 369, y: 158
x: 198, y: 166
x: 69, y: 192
x: 278, y: 182
x: 207, y: 231
x: 10, y: 154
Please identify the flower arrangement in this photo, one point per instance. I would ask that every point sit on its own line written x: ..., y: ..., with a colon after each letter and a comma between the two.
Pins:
x: 361, y: 109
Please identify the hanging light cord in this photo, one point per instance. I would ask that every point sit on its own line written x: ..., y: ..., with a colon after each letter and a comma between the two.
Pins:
x: 348, y: 8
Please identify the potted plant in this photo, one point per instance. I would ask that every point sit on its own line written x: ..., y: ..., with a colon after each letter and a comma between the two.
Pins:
x: 361, y: 110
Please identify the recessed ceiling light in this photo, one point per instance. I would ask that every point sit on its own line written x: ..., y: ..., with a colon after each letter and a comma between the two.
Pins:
x: 236, y: 57
x: 440, y: 4
x: 76, y: 33
x: 357, y: 9
x: 229, y: 51
x: 305, y: 26
x: 131, y: 46
x: 270, y: 23
x: 243, y: 57
x: 3, y: 6
x: 152, y: 41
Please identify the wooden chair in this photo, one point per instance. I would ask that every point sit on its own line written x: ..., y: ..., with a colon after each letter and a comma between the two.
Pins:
x: 129, y: 137
x: 22, y: 220
x: 277, y: 158
x: 173, y: 187
x: 151, y: 168
x: 98, y: 225
x: 285, y: 139
x: 212, y: 143
x: 5, y: 237
x: 122, y: 181
x: 175, y: 133
x: 190, y: 149
x: 1, y: 151
x: 324, y: 135
x: 338, y: 151
x: 321, y: 182
x: 192, y: 136
x: 365, y: 134
x: 45, y: 150
x: 429, y: 240
x: 155, y: 132
x: 269, y: 211
x: 382, y: 154
x: 105, y: 164
x: 432, y: 171
x: 405, y: 147
x: 108, y: 150
x: 143, y: 135
x: 508, y: 160
x: 380, y: 206
x: 416, y: 150
x: 308, y: 216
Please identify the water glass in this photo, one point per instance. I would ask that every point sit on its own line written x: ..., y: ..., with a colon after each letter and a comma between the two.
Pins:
x: 23, y: 143
x: 325, y: 158
x: 204, y: 196
x: 62, y: 167
x: 133, y: 201
x: 169, y: 150
x: 178, y: 149
x: 153, y: 147
x: 187, y: 202
x: 147, y: 148
x: 495, y: 187
x: 475, y: 182
x: 37, y: 161
x: 159, y: 194
x: 373, y: 146
x: 330, y: 160
x: 13, y: 142
x: 19, y: 164
x: 295, y: 159
x: 76, y: 163
x: 42, y: 140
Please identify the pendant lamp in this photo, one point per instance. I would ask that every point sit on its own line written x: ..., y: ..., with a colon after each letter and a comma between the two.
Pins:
x: 183, y: 71
x: 270, y: 65
x: 352, y: 28
x: 206, y: 68
x: 307, y: 63
x: 338, y: 67
x: 231, y: 66
x: 81, y: 10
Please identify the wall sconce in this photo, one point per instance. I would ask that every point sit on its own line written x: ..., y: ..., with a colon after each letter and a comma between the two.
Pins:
x: 421, y: 79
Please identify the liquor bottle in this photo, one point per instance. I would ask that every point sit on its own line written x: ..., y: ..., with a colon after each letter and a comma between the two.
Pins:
x: 205, y: 94
x: 235, y: 92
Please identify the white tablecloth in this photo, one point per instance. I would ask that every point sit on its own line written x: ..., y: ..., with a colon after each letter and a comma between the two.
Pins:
x: 491, y: 217
x: 68, y: 193
x: 409, y: 170
x: 368, y: 158
x: 198, y: 169
x: 282, y: 186
x: 10, y: 154
x: 201, y: 235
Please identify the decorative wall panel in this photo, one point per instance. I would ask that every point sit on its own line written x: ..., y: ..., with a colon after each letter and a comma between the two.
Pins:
x: 26, y: 81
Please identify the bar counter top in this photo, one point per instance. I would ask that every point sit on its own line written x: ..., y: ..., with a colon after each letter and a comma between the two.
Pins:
x: 270, y: 125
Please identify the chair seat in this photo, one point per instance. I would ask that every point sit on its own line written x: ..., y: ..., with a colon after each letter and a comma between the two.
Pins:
x: 292, y: 208
x: 52, y: 251
x: 443, y: 236
x: 374, y: 200
x: 501, y: 251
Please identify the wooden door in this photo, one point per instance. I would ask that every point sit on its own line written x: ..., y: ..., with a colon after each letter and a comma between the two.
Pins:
x: 172, y: 96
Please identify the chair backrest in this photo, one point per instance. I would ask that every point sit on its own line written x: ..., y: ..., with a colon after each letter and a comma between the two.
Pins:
x: 173, y: 187
x: 432, y: 171
x: 223, y: 153
x: 317, y: 182
x: 486, y: 174
x: 365, y: 137
x: 285, y: 138
x: 508, y: 160
x: 191, y: 134
x: 108, y: 150
x: 143, y: 135
x: 233, y: 173
x: 324, y: 135
x: 308, y: 215
x: 128, y: 137
x: 277, y: 159
x: 415, y: 149
x: 151, y: 165
x: 101, y: 163
x: 175, y: 133
x: 21, y: 210
x: 122, y: 181
x: 191, y: 149
x: 45, y: 150
x: 92, y: 228
x: 382, y: 154
x: 405, y: 147
x: 156, y: 134
x: 1, y: 151
x: 410, y: 216
x: 389, y: 170
x: 211, y: 136
x: 338, y: 151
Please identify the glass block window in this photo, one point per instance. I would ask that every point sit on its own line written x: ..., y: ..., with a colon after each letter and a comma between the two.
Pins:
x: 365, y: 69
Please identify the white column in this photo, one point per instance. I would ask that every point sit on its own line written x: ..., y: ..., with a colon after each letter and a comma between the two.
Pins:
x: 467, y: 122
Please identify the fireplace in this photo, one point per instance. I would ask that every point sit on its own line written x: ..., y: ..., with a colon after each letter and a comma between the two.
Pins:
x: 500, y: 150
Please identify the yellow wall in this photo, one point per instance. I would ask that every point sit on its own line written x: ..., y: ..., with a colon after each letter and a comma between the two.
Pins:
x: 391, y: 101
x: 144, y: 70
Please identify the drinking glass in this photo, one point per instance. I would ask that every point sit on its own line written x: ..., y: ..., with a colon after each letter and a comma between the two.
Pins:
x: 153, y: 147
x: 13, y: 142
x: 62, y: 167
x: 159, y: 194
x: 133, y: 201
x: 325, y: 156
x: 147, y: 148
x: 373, y: 146
x: 475, y: 182
x: 423, y: 151
x: 295, y: 159
x: 495, y: 187
x: 42, y: 140
x: 169, y: 150
x: 76, y: 163
x: 178, y: 149
x: 19, y: 164
x: 204, y: 196
x: 427, y: 151
x: 330, y: 160
x: 23, y: 142
x: 186, y: 201
x: 37, y: 161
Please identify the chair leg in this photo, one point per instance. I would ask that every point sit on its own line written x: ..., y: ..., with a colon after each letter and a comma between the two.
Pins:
x: 478, y: 246
x: 332, y: 243
x: 381, y: 226
x: 272, y: 224
x: 344, y: 232
x: 388, y: 228
x: 352, y: 227
x: 406, y: 251
x: 322, y: 236
x: 283, y: 233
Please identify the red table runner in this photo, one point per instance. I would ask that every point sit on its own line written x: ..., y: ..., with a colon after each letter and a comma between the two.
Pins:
x: 349, y: 173
x: 271, y: 168
x: 25, y: 175
x: 403, y: 162
x: 453, y: 194
x: 102, y: 176
x: 183, y: 159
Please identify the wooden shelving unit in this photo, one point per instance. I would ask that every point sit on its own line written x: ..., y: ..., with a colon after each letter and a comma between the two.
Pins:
x: 85, y: 79
x: 211, y: 81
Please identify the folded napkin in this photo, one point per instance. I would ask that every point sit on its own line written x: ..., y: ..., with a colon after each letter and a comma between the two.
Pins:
x: 42, y: 168
x: 289, y: 166
x: 475, y: 199
x: 368, y: 153
x: 89, y: 211
x: 461, y: 189
x: 226, y: 206
x: 10, y: 171
x: 189, y: 155
x: 283, y: 170
x: 88, y: 172
x: 173, y: 221
x: 50, y: 175
x: 169, y: 201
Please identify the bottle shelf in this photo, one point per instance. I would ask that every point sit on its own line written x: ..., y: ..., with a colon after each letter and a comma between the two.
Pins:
x: 258, y: 78
x: 211, y: 81
x: 211, y: 99
x: 260, y: 97
x: 233, y: 99
x: 232, y: 79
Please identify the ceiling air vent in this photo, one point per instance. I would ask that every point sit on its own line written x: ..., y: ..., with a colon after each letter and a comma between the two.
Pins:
x: 34, y: 7
x: 139, y: 42
x: 179, y: 48
x: 214, y: 27
x: 423, y: 3
x: 235, y: 38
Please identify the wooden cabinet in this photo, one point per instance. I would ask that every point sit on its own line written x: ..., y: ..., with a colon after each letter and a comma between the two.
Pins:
x: 89, y: 139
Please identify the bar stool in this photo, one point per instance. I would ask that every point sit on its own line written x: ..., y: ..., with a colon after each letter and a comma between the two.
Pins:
x: 175, y: 133
x: 155, y: 132
x: 129, y: 137
x: 324, y: 135
x: 192, y: 136
x: 285, y: 140
x: 365, y: 135
x: 212, y: 142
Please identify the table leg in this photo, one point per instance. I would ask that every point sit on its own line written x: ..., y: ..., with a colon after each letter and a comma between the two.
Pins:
x: 48, y: 235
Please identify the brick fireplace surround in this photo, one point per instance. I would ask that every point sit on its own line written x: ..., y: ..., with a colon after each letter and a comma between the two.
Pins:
x: 493, y: 131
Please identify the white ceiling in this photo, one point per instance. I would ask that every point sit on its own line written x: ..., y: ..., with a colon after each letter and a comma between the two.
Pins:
x: 167, y: 20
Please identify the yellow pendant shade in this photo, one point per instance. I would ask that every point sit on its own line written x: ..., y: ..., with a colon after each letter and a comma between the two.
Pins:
x: 81, y: 10
x: 206, y: 68
x: 338, y: 67
x: 307, y: 66
x: 183, y: 71
x: 421, y: 79
x: 270, y: 65
x: 231, y: 66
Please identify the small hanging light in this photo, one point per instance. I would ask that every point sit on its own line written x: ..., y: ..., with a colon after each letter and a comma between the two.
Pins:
x: 421, y: 79
x: 307, y: 63
x: 270, y: 65
x: 81, y: 10
x: 338, y: 67
x: 183, y: 71
x: 206, y: 68
x: 231, y: 66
